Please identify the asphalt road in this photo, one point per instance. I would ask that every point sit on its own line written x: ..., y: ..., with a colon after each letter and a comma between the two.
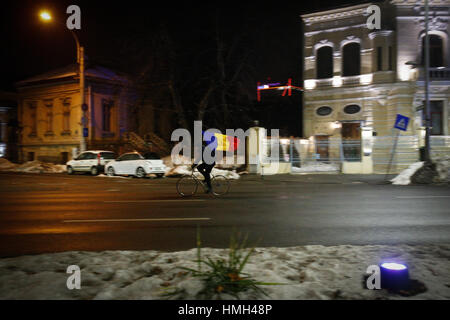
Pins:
x: 56, y: 212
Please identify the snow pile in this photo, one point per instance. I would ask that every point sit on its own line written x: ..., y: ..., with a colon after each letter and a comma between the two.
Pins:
x: 178, y: 171
x: 234, y: 163
x: 181, y: 165
x: 176, y: 161
x: 316, y: 167
x: 305, y: 272
x: 31, y: 166
x: 40, y: 167
x: 443, y: 168
x: 404, y: 178
x: 6, y: 165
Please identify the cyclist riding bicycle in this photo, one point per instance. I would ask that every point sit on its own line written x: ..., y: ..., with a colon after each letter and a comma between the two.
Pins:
x: 207, y: 164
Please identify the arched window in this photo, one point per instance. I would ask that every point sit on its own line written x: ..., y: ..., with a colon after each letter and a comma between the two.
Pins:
x: 351, y: 64
x: 436, y: 51
x: 324, y: 62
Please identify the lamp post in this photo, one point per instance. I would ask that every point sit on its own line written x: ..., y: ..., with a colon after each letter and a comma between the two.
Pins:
x: 46, y: 17
x: 427, y: 88
x: 426, y: 67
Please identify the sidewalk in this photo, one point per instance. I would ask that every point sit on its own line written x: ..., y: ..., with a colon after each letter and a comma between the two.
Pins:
x: 322, y: 178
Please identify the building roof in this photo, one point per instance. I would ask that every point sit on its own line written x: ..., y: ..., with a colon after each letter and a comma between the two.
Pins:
x: 341, y: 10
x: 71, y: 72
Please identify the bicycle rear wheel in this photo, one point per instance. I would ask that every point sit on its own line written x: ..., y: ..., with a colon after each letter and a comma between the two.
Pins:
x: 220, y: 185
x: 187, y: 186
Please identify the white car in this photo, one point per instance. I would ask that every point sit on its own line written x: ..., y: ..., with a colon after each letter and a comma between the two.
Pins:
x: 134, y: 164
x: 90, y: 161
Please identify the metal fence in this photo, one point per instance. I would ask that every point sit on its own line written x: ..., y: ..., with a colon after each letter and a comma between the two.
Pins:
x: 329, y: 154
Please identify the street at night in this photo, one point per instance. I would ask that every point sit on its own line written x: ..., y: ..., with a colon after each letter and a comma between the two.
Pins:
x: 44, y: 213
x: 208, y: 153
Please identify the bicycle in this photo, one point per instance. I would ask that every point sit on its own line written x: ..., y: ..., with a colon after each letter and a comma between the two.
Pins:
x: 187, y: 185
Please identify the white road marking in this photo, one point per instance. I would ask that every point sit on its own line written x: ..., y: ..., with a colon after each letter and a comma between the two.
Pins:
x: 420, y: 197
x: 136, y: 220
x: 156, y: 200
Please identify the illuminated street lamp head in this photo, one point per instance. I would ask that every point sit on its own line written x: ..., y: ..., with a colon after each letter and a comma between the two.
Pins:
x: 45, y: 16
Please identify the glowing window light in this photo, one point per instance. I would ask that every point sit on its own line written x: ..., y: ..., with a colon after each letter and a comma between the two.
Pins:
x: 310, y: 84
x: 337, y: 81
x: 404, y: 74
x: 365, y: 78
x: 336, y: 125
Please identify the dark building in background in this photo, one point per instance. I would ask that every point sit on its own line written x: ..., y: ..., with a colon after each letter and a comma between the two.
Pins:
x: 8, y: 126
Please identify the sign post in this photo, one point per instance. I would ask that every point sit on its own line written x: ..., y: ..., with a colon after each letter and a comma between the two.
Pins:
x: 401, y: 123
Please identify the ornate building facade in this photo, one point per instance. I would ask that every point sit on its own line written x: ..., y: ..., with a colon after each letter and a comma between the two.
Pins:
x: 358, y: 79
x: 50, y: 113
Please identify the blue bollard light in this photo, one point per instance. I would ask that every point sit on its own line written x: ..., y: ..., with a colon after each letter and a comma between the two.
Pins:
x: 394, y: 276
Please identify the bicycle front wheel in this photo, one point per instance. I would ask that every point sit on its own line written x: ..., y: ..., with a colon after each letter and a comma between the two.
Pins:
x: 220, y: 185
x: 187, y: 186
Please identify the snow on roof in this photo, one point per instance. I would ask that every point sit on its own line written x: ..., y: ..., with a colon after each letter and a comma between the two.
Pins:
x: 71, y: 71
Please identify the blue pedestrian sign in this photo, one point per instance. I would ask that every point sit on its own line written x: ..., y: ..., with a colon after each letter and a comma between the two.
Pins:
x: 85, y: 132
x: 401, y: 122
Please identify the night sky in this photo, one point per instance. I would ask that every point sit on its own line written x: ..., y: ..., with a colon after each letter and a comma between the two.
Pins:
x: 118, y: 34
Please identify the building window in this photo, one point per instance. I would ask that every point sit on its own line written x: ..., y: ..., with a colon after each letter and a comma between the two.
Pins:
x: 106, y: 111
x: 352, y: 109
x: 324, y: 62
x: 30, y: 156
x: 33, y: 118
x: 351, y: 64
x: 324, y: 111
x: 49, y: 106
x: 66, y: 117
x: 379, y: 58
x: 391, y: 59
x: 436, y: 113
x: 436, y: 51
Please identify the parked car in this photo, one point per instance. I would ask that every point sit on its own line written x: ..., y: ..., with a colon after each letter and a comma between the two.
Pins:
x: 92, y: 161
x: 134, y: 164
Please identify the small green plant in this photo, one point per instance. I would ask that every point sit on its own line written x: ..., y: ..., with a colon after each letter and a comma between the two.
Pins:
x: 226, y: 276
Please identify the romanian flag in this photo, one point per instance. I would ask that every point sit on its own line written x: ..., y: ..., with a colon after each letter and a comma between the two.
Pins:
x: 220, y: 141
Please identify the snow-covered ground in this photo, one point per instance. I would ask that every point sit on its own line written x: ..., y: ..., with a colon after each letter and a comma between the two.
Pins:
x: 307, y: 272
x: 181, y: 165
x: 404, y: 177
x: 31, y: 166
x: 181, y: 170
x: 316, y: 167
x: 442, y: 168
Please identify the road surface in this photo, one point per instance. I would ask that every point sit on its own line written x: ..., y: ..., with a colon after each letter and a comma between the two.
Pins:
x: 56, y: 212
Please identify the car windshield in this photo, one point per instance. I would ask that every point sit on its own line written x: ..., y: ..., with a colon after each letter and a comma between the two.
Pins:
x: 107, y: 155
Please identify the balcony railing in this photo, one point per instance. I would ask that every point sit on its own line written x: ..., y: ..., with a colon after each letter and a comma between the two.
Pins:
x: 436, y: 74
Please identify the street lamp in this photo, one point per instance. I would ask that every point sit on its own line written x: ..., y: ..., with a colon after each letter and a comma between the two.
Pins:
x: 46, y: 17
x: 426, y: 66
